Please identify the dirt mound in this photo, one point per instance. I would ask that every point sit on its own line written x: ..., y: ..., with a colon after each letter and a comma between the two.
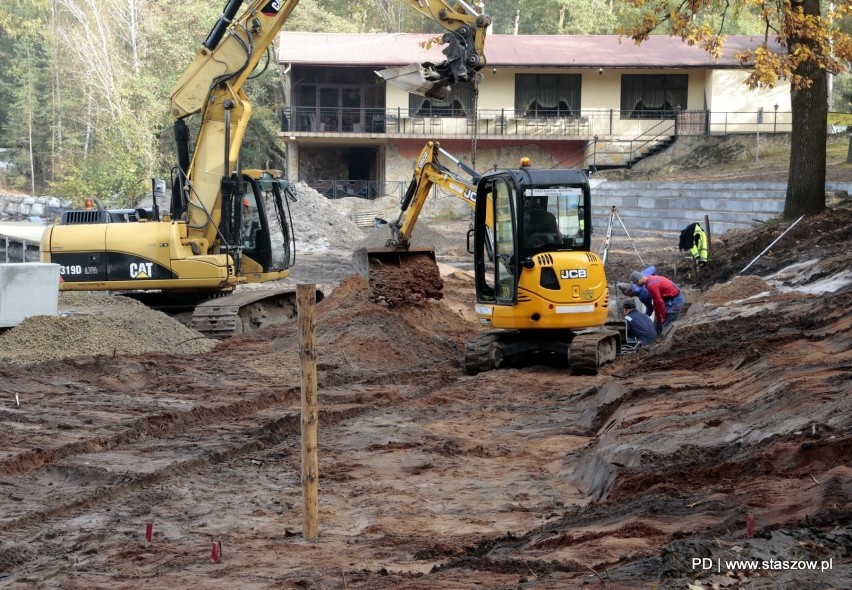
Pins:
x: 404, y: 277
x: 741, y: 287
x: 822, y: 235
x: 358, y: 338
x: 93, y: 324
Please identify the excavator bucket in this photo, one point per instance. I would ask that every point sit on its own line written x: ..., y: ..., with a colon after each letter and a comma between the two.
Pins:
x: 368, y: 259
x: 399, y: 276
x: 421, y: 79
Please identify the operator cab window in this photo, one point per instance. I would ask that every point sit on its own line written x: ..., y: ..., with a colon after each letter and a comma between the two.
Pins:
x: 553, y: 218
x: 250, y: 223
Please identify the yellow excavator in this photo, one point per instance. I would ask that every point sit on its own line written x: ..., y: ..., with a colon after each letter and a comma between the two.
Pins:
x: 226, y: 225
x: 540, y: 290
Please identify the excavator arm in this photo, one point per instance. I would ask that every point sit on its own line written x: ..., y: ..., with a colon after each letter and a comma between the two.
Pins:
x: 372, y: 262
x: 430, y: 171
x: 465, y: 50
x: 209, y: 187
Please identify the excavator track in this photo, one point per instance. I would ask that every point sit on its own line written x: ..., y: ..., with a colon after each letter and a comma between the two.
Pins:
x: 483, y: 353
x: 591, y: 350
x: 586, y: 351
x: 245, y: 311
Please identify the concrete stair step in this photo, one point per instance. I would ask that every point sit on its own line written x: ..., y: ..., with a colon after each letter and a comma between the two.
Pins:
x: 654, y: 208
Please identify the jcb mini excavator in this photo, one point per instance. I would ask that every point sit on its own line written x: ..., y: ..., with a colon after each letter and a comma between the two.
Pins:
x: 191, y: 260
x: 539, y: 287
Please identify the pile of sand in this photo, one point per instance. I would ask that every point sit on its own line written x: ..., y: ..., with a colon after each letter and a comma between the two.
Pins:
x: 355, y: 334
x: 740, y: 287
x: 92, y: 324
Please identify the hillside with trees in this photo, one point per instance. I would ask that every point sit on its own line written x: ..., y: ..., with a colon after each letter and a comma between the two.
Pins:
x: 85, y: 84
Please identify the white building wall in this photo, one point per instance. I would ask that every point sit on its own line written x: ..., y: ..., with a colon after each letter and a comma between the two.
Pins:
x: 736, y: 109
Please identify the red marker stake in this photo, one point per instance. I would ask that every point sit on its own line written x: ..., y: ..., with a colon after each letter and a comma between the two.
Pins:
x: 149, y: 531
x: 215, y: 553
x: 750, y: 525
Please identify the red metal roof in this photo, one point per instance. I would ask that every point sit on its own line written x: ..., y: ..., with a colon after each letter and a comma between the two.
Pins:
x: 578, y: 51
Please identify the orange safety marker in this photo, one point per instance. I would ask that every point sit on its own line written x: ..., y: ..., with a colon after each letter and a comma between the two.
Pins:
x: 750, y: 525
x: 149, y: 531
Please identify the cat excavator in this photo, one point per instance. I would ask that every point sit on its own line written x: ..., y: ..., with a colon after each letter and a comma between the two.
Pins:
x: 540, y: 290
x: 226, y: 226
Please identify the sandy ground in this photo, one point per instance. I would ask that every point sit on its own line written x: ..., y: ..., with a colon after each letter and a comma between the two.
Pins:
x: 644, y: 476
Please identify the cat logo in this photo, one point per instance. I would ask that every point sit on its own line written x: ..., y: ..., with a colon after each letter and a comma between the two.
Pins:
x: 141, y: 270
x: 574, y: 273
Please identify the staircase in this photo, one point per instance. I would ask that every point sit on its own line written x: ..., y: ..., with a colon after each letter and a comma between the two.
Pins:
x: 625, y: 154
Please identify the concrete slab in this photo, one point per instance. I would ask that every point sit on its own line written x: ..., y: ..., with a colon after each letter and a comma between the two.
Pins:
x: 27, y: 289
x: 22, y: 230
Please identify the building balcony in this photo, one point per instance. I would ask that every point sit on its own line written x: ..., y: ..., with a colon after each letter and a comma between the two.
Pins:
x: 342, y: 123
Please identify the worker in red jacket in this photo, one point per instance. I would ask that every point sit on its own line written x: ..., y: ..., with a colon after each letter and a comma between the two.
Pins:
x: 666, y: 296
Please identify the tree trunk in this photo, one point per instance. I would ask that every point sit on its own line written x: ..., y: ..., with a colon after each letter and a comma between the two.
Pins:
x: 849, y: 149
x: 806, y: 180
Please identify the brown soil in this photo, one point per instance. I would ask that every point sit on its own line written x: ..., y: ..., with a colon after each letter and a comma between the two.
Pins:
x: 526, y: 477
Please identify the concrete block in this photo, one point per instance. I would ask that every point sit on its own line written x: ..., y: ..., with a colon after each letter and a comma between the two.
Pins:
x: 27, y: 289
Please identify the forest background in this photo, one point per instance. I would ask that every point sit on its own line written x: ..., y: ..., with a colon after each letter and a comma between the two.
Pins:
x: 84, y: 84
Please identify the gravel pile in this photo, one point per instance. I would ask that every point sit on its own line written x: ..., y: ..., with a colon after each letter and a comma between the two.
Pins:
x: 318, y: 225
x: 92, y: 324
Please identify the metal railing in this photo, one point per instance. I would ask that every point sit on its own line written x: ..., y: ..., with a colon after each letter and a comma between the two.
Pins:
x: 365, y: 189
x: 583, y: 124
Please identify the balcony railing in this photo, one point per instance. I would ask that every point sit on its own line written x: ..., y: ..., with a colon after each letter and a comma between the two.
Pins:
x: 585, y: 124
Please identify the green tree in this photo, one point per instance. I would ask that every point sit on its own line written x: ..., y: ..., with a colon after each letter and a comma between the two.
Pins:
x: 553, y: 17
x: 25, y: 82
x: 799, y: 45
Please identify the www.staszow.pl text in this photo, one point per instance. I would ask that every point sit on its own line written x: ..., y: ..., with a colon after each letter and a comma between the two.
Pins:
x: 706, y: 563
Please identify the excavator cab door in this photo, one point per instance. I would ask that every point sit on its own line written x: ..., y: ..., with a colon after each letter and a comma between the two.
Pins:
x: 522, y: 214
x: 265, y: 225
x: 495, y: 243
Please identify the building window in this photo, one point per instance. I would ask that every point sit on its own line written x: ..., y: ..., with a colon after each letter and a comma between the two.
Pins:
x: 653, y: 96
x: 458, y: 103
x: 547, y: 95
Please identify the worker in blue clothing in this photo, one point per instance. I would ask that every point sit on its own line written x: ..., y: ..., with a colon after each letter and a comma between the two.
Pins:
x: 640, y: 329
x: 640, y: 291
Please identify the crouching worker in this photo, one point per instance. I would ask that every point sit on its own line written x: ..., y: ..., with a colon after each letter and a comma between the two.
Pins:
x: 666, y: 296
x: 640, y: 328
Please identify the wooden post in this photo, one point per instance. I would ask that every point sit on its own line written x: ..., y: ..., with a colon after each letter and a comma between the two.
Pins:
x: 306, y: 298
x: 709, y: 239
